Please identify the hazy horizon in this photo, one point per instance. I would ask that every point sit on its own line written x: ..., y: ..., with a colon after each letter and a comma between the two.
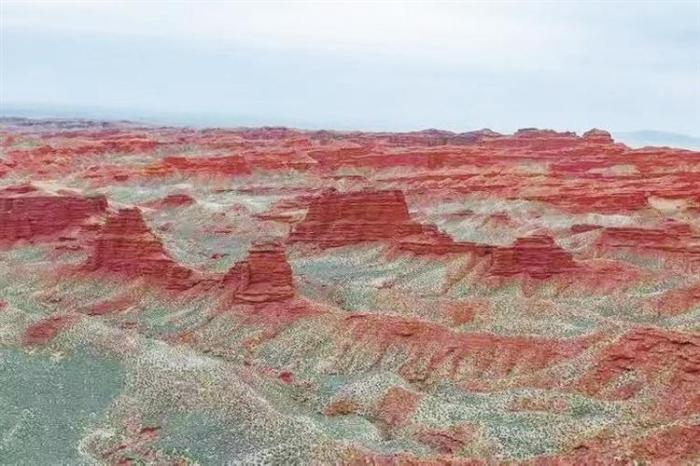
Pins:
x: 619, y: 66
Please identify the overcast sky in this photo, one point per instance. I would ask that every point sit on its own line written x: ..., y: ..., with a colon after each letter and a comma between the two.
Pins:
x: 565, y: 65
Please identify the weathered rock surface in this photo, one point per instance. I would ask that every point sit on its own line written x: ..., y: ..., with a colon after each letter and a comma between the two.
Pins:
x: 650, y: 359
x: 339, y: 219
x: 431, y: 297
x: 672, y: 240
x: 45, y: 330
x: 126, y: 246
x: 265, y: 275
x: 433, y: 352
x: 537, y: 256
x: 28, y: 214
x: 226, y: 165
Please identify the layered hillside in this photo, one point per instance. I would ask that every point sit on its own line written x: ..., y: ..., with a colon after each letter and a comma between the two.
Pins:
x: 275, y: 296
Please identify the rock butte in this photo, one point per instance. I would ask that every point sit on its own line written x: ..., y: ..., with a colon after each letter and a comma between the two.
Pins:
x: 537, y: 256
x: 264, y: 276
x: 126, y: 246
x: 337, y: 219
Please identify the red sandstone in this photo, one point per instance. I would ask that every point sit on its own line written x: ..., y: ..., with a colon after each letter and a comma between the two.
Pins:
x: 667, y: 360
x: 126, y: 246
x: 45, y: 330
x: 28, y: 215
x: 265, y: 276
x: 537, y: 256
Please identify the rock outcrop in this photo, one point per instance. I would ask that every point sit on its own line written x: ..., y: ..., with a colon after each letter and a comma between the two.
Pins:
x: 227, y: 165
x: 126, y: 246
x: 45, y: 330
x: 265, y: 275
x: 537, y: 256
x: 672, y: 240
x: 28, y: 214
x: 598, y: 136
x: 338, y: 219
x: 422, y: 351
x: 653, y: 360
x: 172, y: 201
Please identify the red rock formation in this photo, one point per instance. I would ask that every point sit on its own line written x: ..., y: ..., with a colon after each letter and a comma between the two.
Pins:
x: 172, y: 200
x: 26, y: 214
x: 584, y: 228
x: 663, y: 361
x: 338, y: 219
x: 126, y: 246
x: 668, y: 445
x: 598, y: 136
x: 430, y: 351
x: 431, y: 241
x: 45, y: 330
x: 397, y: 406
x: 673, y: 240
x: 536, y: 256
x: 447, y: 441
x: 227, y: 165
x: 678, y: 300
x: 265, y: 276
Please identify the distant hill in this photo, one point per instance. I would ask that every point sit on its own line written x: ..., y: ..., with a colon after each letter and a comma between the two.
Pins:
x: 657, y: 138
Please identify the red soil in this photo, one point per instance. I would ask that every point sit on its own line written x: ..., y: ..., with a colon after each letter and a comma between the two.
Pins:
x: 43, y: 331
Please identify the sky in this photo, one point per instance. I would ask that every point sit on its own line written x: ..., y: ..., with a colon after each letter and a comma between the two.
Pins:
x: 622, y: 66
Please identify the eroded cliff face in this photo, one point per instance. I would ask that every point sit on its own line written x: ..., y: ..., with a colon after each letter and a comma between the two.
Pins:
x: 126, y: 246
x: 338, y: 219
x: 264, y: 276
x: 27, y: 214
x: 353, y: 298
x: 536, y: 256
x: 651, y: 359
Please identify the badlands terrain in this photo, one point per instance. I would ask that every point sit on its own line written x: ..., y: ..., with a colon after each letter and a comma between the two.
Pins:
x: 275, y: 296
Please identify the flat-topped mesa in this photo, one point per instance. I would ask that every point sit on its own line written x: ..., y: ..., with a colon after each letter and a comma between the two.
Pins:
x: 537, y: 256
x: 338, y: 219
x: 28, y: 214
x: 536, y: 133
x: 125, y: 245
x: 265, y: 276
